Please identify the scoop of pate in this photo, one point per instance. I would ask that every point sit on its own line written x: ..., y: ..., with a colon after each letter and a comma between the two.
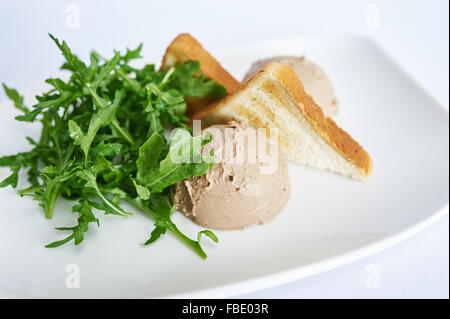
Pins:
x: 247, y: 185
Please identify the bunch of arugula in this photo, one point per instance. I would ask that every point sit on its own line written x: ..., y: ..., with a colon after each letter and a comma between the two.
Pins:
x: 102, y: 141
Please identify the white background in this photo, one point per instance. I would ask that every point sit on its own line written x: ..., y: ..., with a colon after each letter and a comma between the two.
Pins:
x: 415, y: 33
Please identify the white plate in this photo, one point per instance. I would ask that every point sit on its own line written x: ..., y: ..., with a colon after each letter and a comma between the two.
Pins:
x: 329, y: 220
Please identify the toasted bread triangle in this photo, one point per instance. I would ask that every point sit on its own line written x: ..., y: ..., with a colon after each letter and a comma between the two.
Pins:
x: 275, y: 98
x: 184, y: 48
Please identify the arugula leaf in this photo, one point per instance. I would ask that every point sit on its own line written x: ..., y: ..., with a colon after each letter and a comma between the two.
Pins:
x: 78, y: 66
x: 29, y: 116
x: 8, y: 160
x: 51, y: 190
x: 161, y: 212
x: 179, y: 164
x: 156, y: 233
x: 91, y: 186
x: 60, y: 85
x: 142, y: 191
x: 21, y: 159
x: 149, y: 155
x: 208, y: 233
x: 101, y: 118
x: 11, y: 179
x: 108, y: 149
x: 184, y: 80
x: 14, y: 96
x: 106, y: 70
x: 132, y: 54
x: 86, y: 216
x: 102, y: 140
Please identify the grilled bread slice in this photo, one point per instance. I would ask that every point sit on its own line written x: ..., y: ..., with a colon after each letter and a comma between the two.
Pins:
x: 184, y: 48
x: 275, y: 98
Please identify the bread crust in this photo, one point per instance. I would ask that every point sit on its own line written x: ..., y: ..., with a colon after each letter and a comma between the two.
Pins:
x: 185, y: 47
x: 337, y: 138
